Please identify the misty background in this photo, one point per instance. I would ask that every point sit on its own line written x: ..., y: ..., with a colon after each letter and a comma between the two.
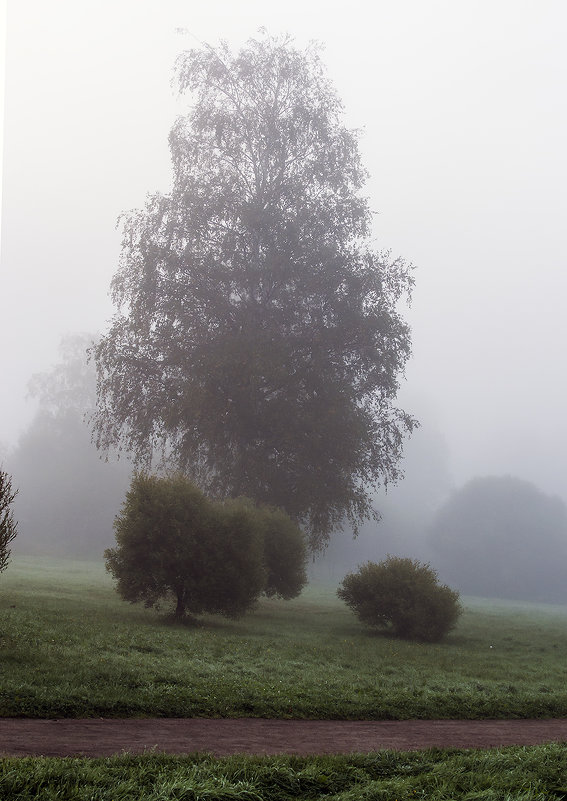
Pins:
x: 464, y: 123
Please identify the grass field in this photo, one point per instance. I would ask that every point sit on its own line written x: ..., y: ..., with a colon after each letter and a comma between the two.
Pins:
x: 69, y: 647
x: 522, y: 774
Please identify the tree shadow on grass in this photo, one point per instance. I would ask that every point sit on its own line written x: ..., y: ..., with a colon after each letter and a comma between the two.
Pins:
x: 185, y: 621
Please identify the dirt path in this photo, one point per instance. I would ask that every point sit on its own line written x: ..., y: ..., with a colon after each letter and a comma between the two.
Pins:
x: 104, y: 737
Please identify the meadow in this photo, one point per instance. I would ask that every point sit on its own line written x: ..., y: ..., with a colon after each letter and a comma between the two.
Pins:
x: 522, y: 774
x: 69, y: 647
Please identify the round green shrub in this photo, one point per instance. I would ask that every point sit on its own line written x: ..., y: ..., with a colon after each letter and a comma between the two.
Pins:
x: 285, y: 554
x: 284, y: 547
x: 214, y: 557
x: 402, y: 596
x: 172, y: 541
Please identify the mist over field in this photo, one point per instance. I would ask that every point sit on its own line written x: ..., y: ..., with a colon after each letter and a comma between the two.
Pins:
x: 463, y: 134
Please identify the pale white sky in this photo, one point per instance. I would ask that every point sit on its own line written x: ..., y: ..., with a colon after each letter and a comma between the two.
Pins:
x: 2, y: 81
x: 463, y: 109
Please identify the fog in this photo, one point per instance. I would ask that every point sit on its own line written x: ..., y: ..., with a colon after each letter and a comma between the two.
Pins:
x: 464, y: 129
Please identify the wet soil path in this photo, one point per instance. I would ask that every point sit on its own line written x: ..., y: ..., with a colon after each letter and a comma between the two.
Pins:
x: 105, y: 737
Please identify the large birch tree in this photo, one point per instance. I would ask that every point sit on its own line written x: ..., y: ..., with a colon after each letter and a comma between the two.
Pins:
x: 258, y: 342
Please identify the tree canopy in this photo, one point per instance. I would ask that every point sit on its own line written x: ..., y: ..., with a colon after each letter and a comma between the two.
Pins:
x: 258, y: 342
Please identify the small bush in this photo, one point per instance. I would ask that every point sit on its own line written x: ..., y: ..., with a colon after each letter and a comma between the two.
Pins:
x: 232, y: 571
x: 8, y: 525
x: 285, y: 554
x: 403, y: 596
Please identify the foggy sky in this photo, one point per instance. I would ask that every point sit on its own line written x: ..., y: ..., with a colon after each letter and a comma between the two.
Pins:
x: 462, y: 107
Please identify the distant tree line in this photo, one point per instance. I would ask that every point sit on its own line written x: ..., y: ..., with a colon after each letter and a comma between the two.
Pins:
x: 68, y: 495
x: 501, y: 537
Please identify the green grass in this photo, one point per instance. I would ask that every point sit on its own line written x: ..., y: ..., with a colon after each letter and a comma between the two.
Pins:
x: 69, y: 647
x: 519, y: 773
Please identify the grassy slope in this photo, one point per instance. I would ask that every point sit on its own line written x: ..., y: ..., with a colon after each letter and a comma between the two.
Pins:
x: 524, y: 774
x: 70, y: 647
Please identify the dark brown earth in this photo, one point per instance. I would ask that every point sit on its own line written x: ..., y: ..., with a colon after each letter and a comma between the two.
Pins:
x: 104, y: 737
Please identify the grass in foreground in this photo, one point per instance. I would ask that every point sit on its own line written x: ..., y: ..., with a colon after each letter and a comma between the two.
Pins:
x: 523, y: 774
x: 69, y: 647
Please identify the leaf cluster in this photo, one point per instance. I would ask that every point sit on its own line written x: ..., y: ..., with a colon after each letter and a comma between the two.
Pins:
x: 403, y: 596
x: 211, y: 557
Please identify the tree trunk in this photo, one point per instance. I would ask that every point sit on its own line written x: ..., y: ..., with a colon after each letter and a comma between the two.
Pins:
x: 180, y: 608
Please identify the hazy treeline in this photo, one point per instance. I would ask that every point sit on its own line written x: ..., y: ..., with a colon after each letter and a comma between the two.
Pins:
x: 494, y: 537
x: 406, y: 509
x: 68, y: 496
x: 499, y: 536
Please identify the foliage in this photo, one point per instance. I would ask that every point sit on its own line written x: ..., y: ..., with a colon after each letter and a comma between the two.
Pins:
x: 502, y: 537
x: 171, y: 540
x: 70, y: 385
x: 405, y: 511
x: 71, y: 648
x: 258, y: 342
x: 71, y: 495
x: 8, y: 525
x: 402, y: 595
x: 527, y: 773
x: 284, y: 553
